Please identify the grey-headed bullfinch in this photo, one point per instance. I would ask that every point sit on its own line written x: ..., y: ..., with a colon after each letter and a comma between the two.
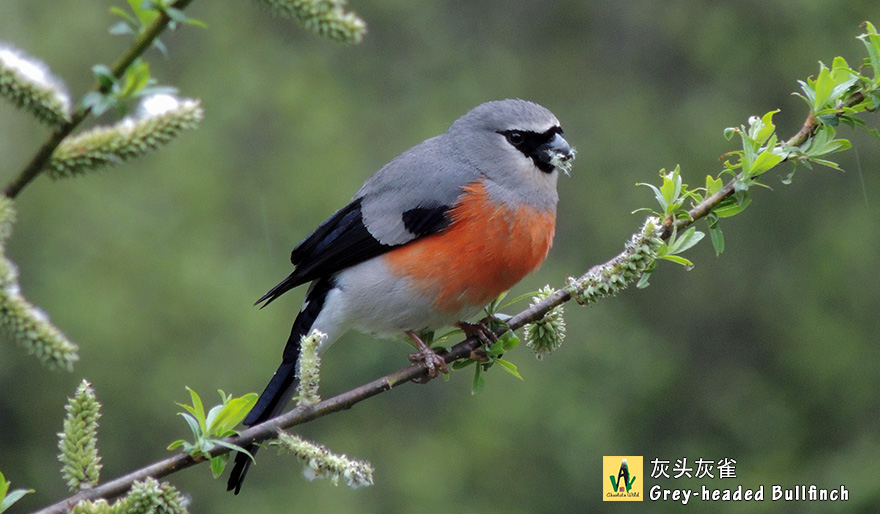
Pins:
x: 427, y: 241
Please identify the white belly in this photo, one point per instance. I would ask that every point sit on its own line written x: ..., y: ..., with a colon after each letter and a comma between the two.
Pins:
x: 369, y: 299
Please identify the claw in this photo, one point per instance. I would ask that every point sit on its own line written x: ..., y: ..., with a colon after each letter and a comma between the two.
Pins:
x: 434, y: 363
x: 480, y: 330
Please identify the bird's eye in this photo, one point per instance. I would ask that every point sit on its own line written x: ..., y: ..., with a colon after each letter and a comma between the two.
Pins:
x: 515, y: 138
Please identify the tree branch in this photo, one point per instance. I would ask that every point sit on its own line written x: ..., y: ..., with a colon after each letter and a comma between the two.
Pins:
x: 41, y: 158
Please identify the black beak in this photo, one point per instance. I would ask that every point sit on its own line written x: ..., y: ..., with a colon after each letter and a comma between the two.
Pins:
x: 554, y: 154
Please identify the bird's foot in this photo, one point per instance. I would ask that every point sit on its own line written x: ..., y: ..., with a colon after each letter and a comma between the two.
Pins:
x: 434, y: 363
x: 480, y: 330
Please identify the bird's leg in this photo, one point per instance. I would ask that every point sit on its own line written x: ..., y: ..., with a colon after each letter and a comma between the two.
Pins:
x: 433, y: 362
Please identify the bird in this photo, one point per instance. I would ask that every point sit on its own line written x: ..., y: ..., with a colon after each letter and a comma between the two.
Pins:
x: 427, y: 242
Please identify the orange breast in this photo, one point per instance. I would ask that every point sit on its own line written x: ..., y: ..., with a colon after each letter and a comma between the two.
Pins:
x: 486, y: 250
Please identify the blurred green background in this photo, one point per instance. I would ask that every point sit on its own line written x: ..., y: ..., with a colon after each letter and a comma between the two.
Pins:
x: 766, y: 355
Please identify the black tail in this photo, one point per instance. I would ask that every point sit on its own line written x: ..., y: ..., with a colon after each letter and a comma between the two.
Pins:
x: 282, y: 287
x: 284, y: 383
x: 273, y: 400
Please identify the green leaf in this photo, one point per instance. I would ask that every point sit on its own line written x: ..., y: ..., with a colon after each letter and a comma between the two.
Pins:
x: 8, y: 498
x: 643, y: 280
x: 872, y: 43
x: 657, y: 194
x: 13, y: 497
x: 686, y: 240
x: 176, y: 444
x: 508, y: 367
x: 837, y: 145
x: 715, y: 234
x: 98, y: 102
x: 713, y: 185
x: 160, y: 46
x: 121, y: 28
x: 765, y: 161
x: 211, y: 421
x: 822, y: 87
x: 671, y: 188
x: 495, y: 350
x: 767, y: 129
x: 104, y: 76
x: 831, y: 118
x: 824, y: 143
x: 136, y: 78
x: 145, y: 11
x: 233, y: 413
x: 218, y: 464
x: 524, y: 296
x: 493, y: 306
x: 509, y: 341
x: 129, y: 19
x: 189, y: 409
x: 717, y: 238
x: 479, y: 382
x: 198, y: 409
x: 678, y: 260
x: 830, y: 86
x: 196, y: 23
x: 809, y: 95
x: 176, y: 15
x: 733, y: 205
x: 827, y: 163
x: 193, y: 423
x: 208, y: 431
x: 235, y: 447
x: 672, y: 193
x: 440, y: 339
x: 844, y: 78
x: 461, y: 364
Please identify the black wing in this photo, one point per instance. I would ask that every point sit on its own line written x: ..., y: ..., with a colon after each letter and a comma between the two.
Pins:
x: 343, y: 240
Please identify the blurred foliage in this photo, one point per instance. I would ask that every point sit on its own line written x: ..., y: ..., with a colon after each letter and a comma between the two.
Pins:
x: 766, y: 354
